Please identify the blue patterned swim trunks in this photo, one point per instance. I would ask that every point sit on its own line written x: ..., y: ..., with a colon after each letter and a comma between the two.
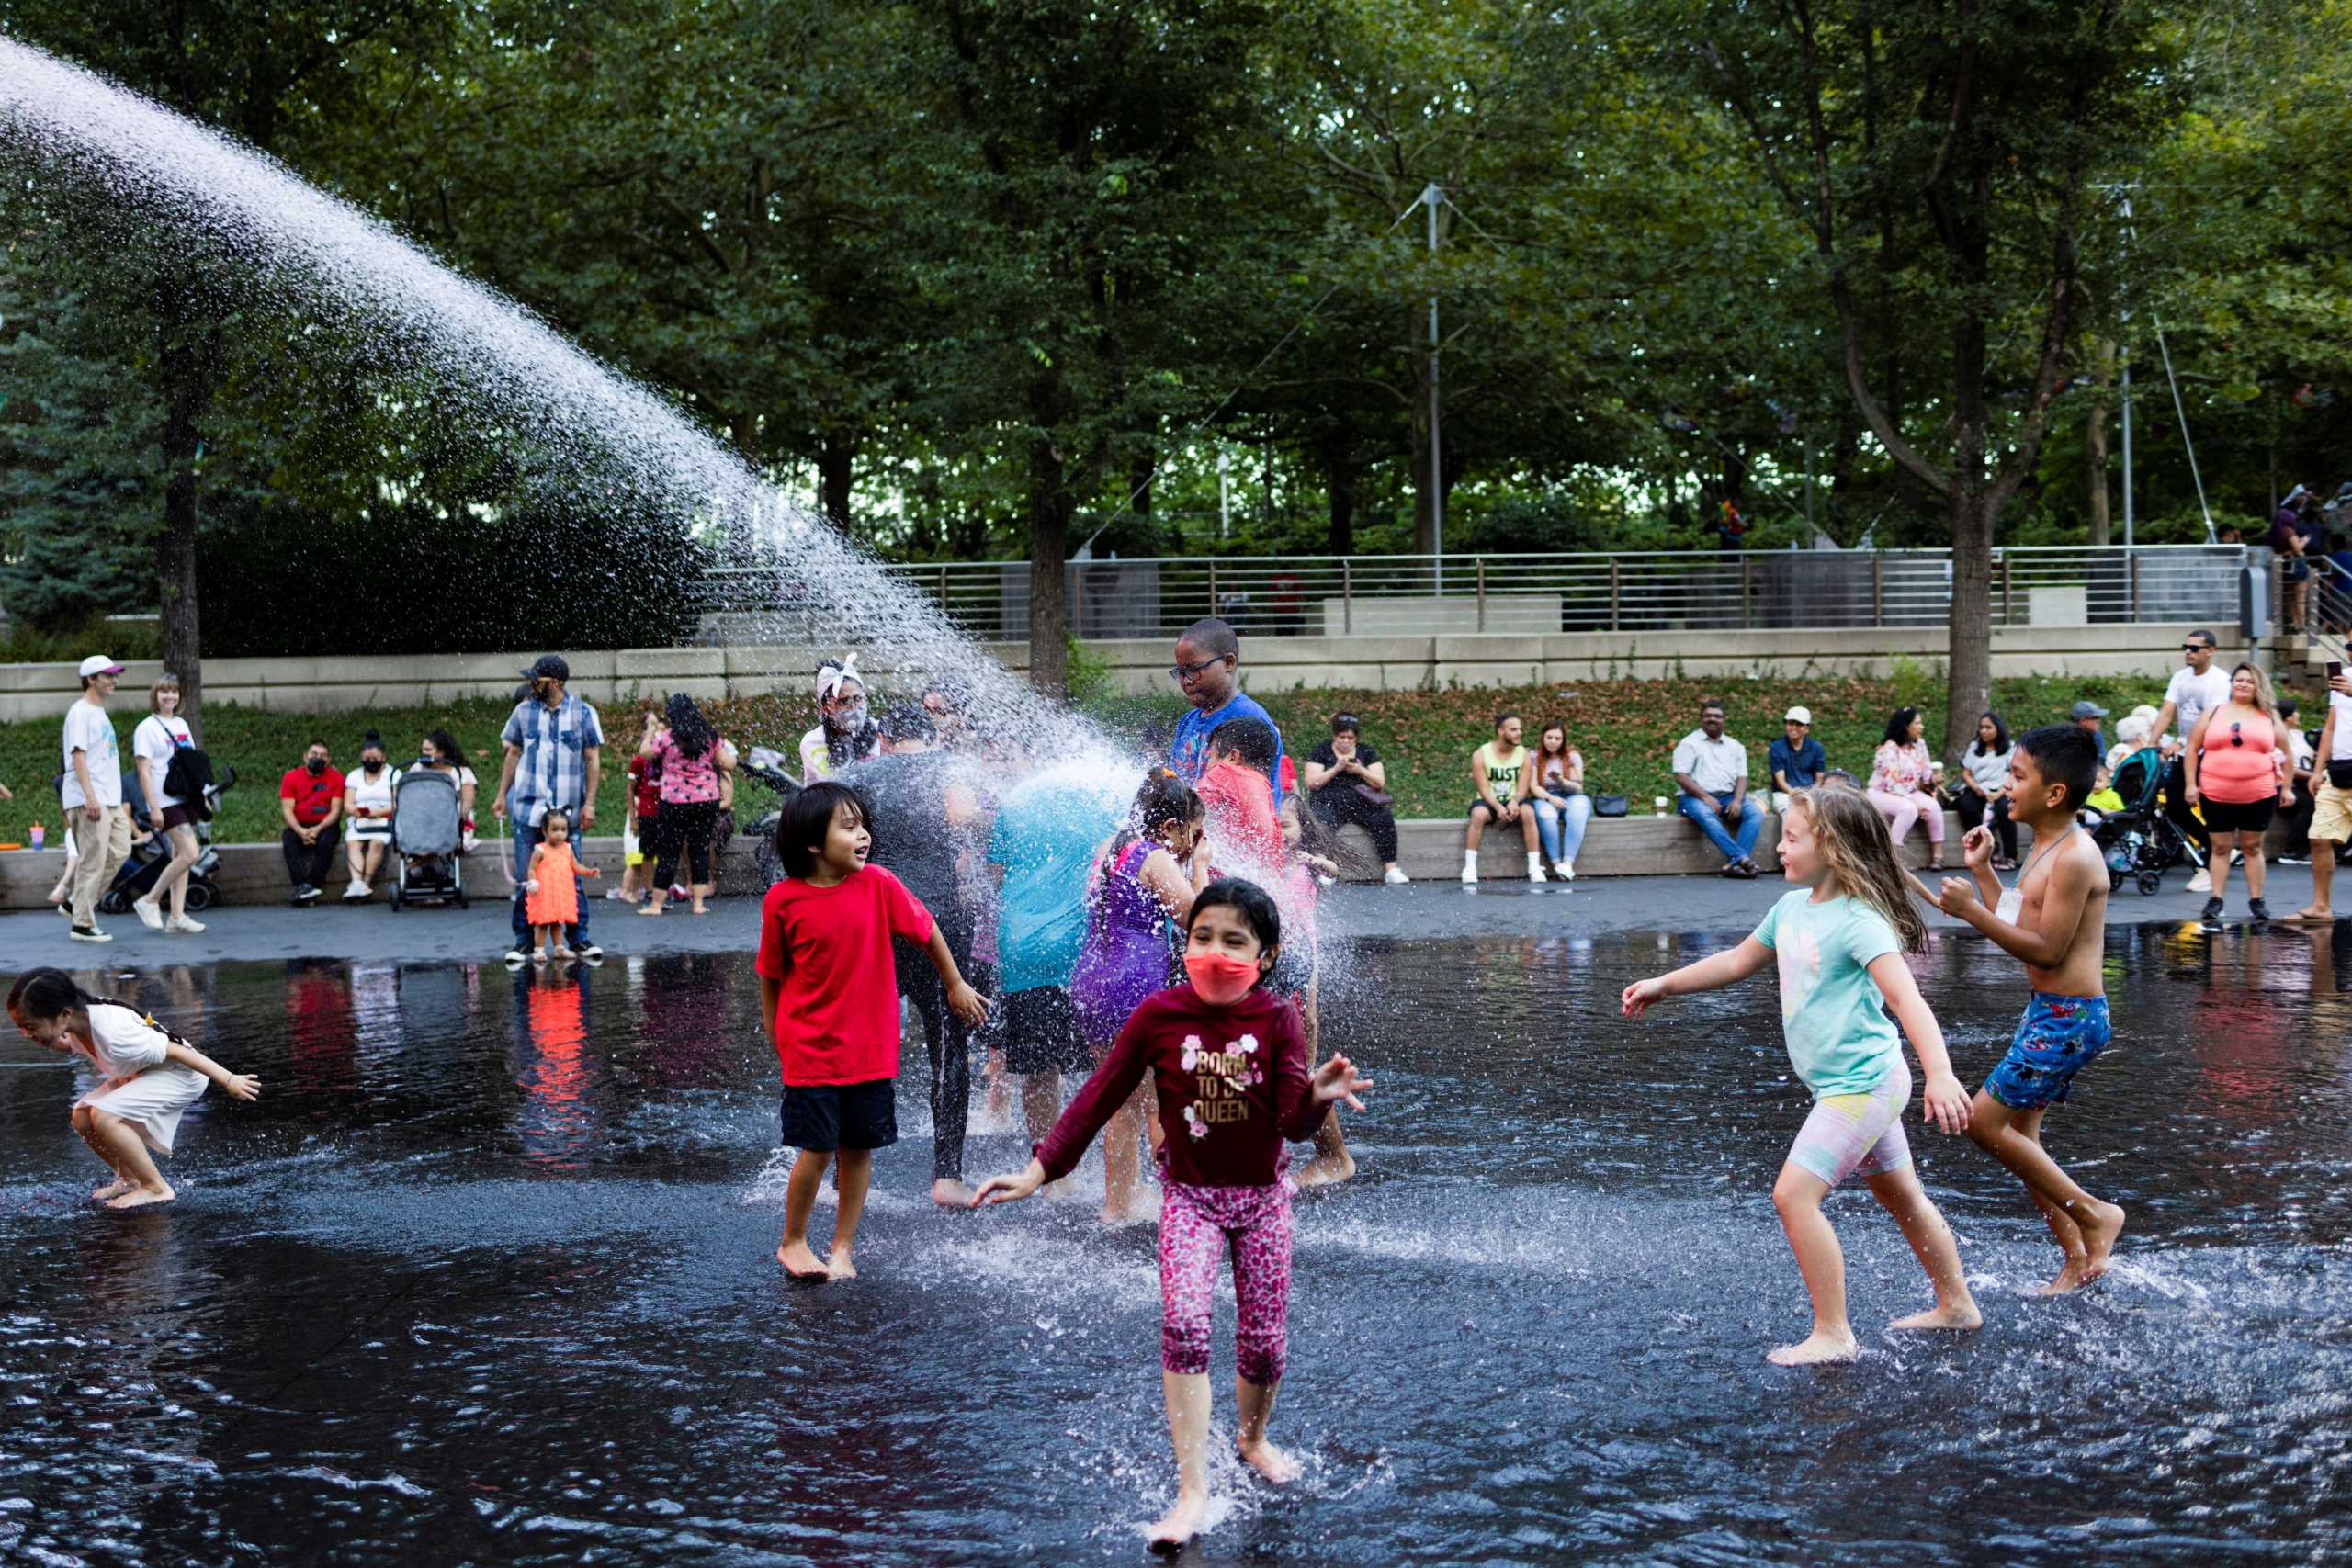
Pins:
x: 2055, y: 1040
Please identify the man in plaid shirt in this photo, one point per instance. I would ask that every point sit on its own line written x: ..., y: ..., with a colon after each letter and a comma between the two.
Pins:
x: 554, y: 746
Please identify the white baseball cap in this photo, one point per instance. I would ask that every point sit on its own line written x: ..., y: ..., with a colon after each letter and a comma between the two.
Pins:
x: 99, y: 664
x: 1799, y: 715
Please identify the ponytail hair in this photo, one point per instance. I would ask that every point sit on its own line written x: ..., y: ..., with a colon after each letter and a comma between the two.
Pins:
x: 1165, y: 797
x: 46, y: 994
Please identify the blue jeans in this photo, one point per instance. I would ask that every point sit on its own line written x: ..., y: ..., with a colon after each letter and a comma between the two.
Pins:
x: 526, y: 839
x: 1560, y: 819
x: 1707, y: 814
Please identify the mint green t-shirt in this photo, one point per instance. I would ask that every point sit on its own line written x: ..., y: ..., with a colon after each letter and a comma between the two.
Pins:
x: 1840, y: 1039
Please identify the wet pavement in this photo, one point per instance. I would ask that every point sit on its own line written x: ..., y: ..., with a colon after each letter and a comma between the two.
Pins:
x: 487, y: 1276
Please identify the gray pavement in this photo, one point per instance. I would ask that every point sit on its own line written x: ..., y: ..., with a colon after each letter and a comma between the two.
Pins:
x: 1596, y: 906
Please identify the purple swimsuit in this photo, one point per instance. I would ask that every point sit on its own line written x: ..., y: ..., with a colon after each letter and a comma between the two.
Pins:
x: 1125, y: 957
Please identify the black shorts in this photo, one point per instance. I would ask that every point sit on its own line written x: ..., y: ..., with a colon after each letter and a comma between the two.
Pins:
x: 1491, y: 812
x: 1041, y: 1031
x: 178, y: 817
x: 2229, y: 817
x: 828, y: 1116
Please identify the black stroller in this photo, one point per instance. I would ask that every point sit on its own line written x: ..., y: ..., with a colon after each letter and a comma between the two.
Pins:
x: 428, y: 840
x: 2140, y: 842
x: 143, y: 867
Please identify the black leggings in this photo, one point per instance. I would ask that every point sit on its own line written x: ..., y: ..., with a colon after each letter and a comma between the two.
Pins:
x: 1339, y: 804
x: 948, y: 1040
x: 684, y: 826
x: 2176, y: 806
x: 1972, y: 815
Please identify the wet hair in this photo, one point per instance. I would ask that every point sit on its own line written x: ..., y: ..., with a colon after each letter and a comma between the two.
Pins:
x: 909, y: 721
x: 689, y: 731
x: 447, y: 744
x: 1317, y: 837
x: 2064, y: 754
x: 1346, y: 724
x: 1255, y: 904
x: 1858, y: 851
x: 1163, y: 799
x: 1213, y: 637
x: 1253, y: 739
x: 2000, y: 735
x: 46, y: 994
x: 808, y: 816
x: 1898, y: 725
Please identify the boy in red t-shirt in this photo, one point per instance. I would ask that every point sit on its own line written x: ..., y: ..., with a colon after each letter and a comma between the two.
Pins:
x: 1238, y: 789
x: 828, y: 995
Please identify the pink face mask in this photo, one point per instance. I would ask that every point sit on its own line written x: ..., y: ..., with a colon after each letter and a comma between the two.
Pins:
x: 1220, y: 979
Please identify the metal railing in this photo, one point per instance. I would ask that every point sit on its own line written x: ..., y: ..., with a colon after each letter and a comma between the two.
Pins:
x: 1539, y: 594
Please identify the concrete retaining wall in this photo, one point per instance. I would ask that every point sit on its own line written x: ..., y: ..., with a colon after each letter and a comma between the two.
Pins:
x: 1271, y: 664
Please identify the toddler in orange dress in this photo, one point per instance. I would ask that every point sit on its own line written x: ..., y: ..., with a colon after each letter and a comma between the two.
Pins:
x: 554, y: 896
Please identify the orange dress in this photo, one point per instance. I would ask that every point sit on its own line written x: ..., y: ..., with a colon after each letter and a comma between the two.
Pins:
x: 556, y: 901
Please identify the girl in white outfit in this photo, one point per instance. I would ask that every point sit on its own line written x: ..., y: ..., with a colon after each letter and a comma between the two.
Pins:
x: 150, y: 1077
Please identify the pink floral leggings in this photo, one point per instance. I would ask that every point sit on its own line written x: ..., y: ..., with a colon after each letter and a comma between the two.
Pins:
x: 1195, y: 1224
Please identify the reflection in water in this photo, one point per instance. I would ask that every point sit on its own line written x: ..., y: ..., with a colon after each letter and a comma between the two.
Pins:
x: 506, y: 1293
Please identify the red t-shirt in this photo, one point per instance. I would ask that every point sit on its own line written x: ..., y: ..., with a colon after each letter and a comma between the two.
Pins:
x: 311, y: 797
x: 645, y: 786
x: 1241, y: 813
x: 837, y: 1021
x: 1232, y: 1084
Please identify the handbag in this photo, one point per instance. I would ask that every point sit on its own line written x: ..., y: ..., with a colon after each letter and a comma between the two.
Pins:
x: 1609, y: 806
x: 1374, y: 796
x: 2339, y: 771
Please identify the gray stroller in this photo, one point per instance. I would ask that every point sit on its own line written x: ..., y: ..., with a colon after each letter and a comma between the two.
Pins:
x: 427, y: 840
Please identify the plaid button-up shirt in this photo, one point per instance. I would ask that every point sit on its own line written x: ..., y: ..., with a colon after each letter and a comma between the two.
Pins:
x: 553, y: 770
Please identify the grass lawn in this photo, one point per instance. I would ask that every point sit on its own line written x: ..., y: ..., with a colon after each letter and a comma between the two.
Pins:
x: 1626, y: 730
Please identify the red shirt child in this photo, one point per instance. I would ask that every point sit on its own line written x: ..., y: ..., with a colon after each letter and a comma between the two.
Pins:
x: 837, y: 1018
x: 1240, y: 805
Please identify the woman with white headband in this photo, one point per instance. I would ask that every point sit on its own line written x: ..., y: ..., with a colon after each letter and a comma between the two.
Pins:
x: 843, y: 734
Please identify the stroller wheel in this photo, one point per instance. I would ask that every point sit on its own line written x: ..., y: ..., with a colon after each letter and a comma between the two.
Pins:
x: 2150, y: 883
x: 200, y: 895
x: 2115, y: 880
x: 111, y: 902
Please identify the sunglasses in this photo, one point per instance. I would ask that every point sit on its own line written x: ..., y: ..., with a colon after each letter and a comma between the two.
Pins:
x: 2236, y: 739
x: 2196, y: 647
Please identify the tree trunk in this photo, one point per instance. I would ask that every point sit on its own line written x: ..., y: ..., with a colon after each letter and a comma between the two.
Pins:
x: 189, y: 353
x: 1970, y: 690
x: 1342, y: 483
x: 2094, y: 442
x: 836, y: 470
x: 1049, y: 514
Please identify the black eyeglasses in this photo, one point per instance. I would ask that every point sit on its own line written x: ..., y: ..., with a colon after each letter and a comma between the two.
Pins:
x: 1183, y: 673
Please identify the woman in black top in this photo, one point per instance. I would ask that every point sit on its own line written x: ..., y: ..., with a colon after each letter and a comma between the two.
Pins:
x: 1346, y: 782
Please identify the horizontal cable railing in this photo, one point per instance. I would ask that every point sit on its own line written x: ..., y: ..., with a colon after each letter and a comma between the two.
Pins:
x: 1541, y: 594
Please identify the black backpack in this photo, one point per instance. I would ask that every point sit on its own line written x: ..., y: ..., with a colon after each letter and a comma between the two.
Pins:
x: 187, y: 779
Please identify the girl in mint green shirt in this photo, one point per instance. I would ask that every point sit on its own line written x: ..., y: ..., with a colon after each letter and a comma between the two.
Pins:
x: 1838, y: 940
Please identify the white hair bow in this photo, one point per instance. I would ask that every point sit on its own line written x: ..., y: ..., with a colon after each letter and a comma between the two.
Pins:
x: 835, y: 674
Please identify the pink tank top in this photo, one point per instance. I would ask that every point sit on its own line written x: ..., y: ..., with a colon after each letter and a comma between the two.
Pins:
x: 2236, y: 769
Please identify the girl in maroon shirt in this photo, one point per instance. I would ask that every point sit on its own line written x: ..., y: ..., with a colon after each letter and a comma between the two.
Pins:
x: 1230, y: 1063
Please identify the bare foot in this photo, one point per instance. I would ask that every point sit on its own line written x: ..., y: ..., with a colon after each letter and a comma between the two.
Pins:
x: 1816, y: 1349
x: 840, y: 1266
x: 2312, y: 914
x: 1181, y: 1523
x: 950, y: 1193
x: 115, y: 1188
x: 2069, y: 1279
x: 2100, y: 1236
x: 1962, y: 1315
x: 138, y: 1197
x: 801, y: 1263
x: 1270, y: 1461
x: 1321, y: 1172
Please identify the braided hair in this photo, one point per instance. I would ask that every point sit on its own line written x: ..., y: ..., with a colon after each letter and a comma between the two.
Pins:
x: 46, y: 994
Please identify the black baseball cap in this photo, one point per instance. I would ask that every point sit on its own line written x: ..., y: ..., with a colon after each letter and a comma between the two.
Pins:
x: 551, y: 667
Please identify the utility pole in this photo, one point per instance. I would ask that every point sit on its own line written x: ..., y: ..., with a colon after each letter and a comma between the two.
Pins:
x: 1431, y: 196
x: 2125, y: 355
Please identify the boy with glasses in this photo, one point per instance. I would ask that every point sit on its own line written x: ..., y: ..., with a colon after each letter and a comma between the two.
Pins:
x: 1208, y: 658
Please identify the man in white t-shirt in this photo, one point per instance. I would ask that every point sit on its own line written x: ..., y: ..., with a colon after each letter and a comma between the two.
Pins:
x: 92, y: 795
x: 2331, y: 802
x: 2195, y: 687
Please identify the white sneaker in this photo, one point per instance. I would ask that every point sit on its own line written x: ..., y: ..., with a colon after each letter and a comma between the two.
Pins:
x: 88, y: 933
x: 1469, y: 873
x: 2203, y: 882
x: 1394, y: 876
x: 1535, y: 872
x: 1565, y: 870
x: 357, y: 890
x: 149, y: 914
x: 183, y: 925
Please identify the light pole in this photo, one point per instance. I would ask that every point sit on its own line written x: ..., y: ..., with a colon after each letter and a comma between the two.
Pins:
x: 1224, y: 496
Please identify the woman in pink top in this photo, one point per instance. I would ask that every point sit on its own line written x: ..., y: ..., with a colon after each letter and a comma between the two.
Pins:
x: 691, y: 755
x: 1902, y: 782
x: 2237, y: 773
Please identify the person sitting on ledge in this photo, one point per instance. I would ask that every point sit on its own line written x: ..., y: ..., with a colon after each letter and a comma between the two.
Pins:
x: 1711, y: 770
x: 1346, y: 781
x: 309, y: 799
x: 1500, y: 772
x: 1902, y: 783
x: 1796, y: 759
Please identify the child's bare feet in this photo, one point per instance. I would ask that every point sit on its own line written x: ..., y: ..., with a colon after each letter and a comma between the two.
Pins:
x: 2069, y: 1279
x: 2100, y: 1234
x: 1816, y: 1349
x: 840, y: 1266
x: 1270, y: 1461
x: 1181, y: 1523
x: 950, y: 1193
x: 801, y: 1263
x: 138, y: 1197
x: 1960, y: 1315
x: 1322, y: 1171
x: 115, y: 1188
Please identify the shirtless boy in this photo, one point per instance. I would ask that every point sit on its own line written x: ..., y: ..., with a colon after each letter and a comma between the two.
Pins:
x: 2054, y: 920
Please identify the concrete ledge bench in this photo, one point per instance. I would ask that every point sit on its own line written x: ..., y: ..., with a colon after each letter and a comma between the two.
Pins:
x: 1638, y: 845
